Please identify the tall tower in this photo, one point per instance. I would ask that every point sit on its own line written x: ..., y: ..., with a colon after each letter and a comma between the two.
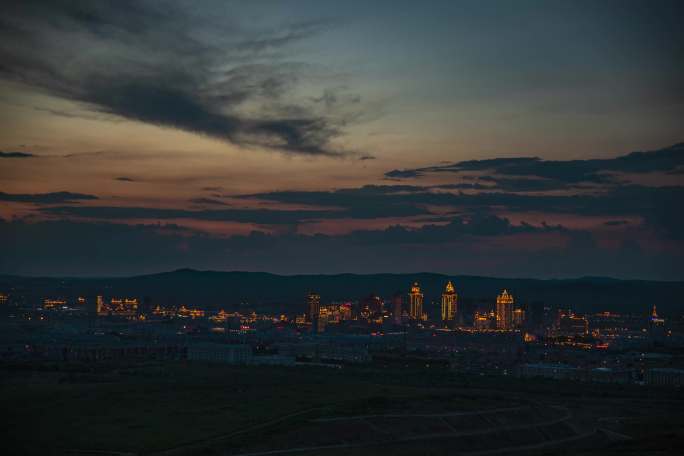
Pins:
x: 313, y: 306
x: 449, y: 303
x: 415, y: 302
x: 397, y: 306
x: 99, y: 305
x: 504, y: 311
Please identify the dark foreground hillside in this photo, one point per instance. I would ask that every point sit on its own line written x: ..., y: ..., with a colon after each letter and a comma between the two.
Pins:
x: 198, y: 409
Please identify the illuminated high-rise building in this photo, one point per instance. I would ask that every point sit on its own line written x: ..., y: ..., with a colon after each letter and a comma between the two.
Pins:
x: 397, y: 306
x: 313, y: 306
x: 504, y: 311
x: 449, y: 303
x: 415, y: 303
x: 655, y: 319
x: 321, y: 320
x: 518, y: 317
x: 100, y: 305
x: 656, y: 327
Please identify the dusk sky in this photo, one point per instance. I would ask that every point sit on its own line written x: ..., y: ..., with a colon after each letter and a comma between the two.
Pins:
x: 501, y: 138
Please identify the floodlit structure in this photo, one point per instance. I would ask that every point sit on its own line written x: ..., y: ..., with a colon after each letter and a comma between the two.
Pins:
x: 53, y: 303
x: 449, y: 304
x: 126, y: 307
x: 415, y: 302
x: 313, y: 306
x: 504, y: 311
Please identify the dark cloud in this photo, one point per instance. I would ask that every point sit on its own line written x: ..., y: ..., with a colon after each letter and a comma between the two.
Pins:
x: 144, y: 61
x: 259, y: 216
x: 403, y: 173
x: 360, y: 209
x: 15, y: 154
x: 616, y: 222
x: 469, y: 225
x: 367, y: 202
x: 124, y: 179
x: 536, y: 174
x: 210, y: 201
x: 463, y: 186
x: 524, y: 184
x: 658, y: 206
x: 45, y: 198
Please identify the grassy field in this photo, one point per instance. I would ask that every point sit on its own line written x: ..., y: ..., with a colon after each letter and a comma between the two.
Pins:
x: 194, y: 408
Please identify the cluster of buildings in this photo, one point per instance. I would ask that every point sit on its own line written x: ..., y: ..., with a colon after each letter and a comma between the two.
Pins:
x: 496, y: 336
x: 505, y: 316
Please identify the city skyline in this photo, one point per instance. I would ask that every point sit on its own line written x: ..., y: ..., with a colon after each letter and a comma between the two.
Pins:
x: 528, y: 140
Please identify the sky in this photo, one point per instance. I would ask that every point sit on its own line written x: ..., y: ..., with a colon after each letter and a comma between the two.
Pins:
x: 518, y: 139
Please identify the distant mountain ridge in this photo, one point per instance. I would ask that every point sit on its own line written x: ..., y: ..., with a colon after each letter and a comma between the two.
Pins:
x: 262, y: 290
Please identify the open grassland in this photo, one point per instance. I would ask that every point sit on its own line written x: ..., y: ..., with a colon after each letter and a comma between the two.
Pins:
x: 196, y: 408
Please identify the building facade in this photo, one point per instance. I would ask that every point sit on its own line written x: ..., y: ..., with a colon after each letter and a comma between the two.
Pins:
x: 449, y: 304
x: 313, y: 306
x: 397, y: 308
x: 415, y: 302
x: 504, y: 311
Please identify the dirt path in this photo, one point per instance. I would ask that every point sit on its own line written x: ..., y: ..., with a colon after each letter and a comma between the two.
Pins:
x: 567, y: 415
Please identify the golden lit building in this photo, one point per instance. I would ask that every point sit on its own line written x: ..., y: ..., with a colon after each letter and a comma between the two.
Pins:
x: 160, y: 311
x: 322, y: 320
x: 126, y: 307
x: 220, y: 317
x: 52, y: 303
x: 655, y: 319
x: 656, y: 327
x: 482, y: 321
x: 189, y: 312
x: 504, y: 311
x: 449, y: 303
x: 3, y: 298
x: 313, y: 306
x: 415, y: 303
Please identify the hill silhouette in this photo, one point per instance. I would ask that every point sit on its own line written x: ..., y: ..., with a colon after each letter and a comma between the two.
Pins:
x: 216, y: 289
